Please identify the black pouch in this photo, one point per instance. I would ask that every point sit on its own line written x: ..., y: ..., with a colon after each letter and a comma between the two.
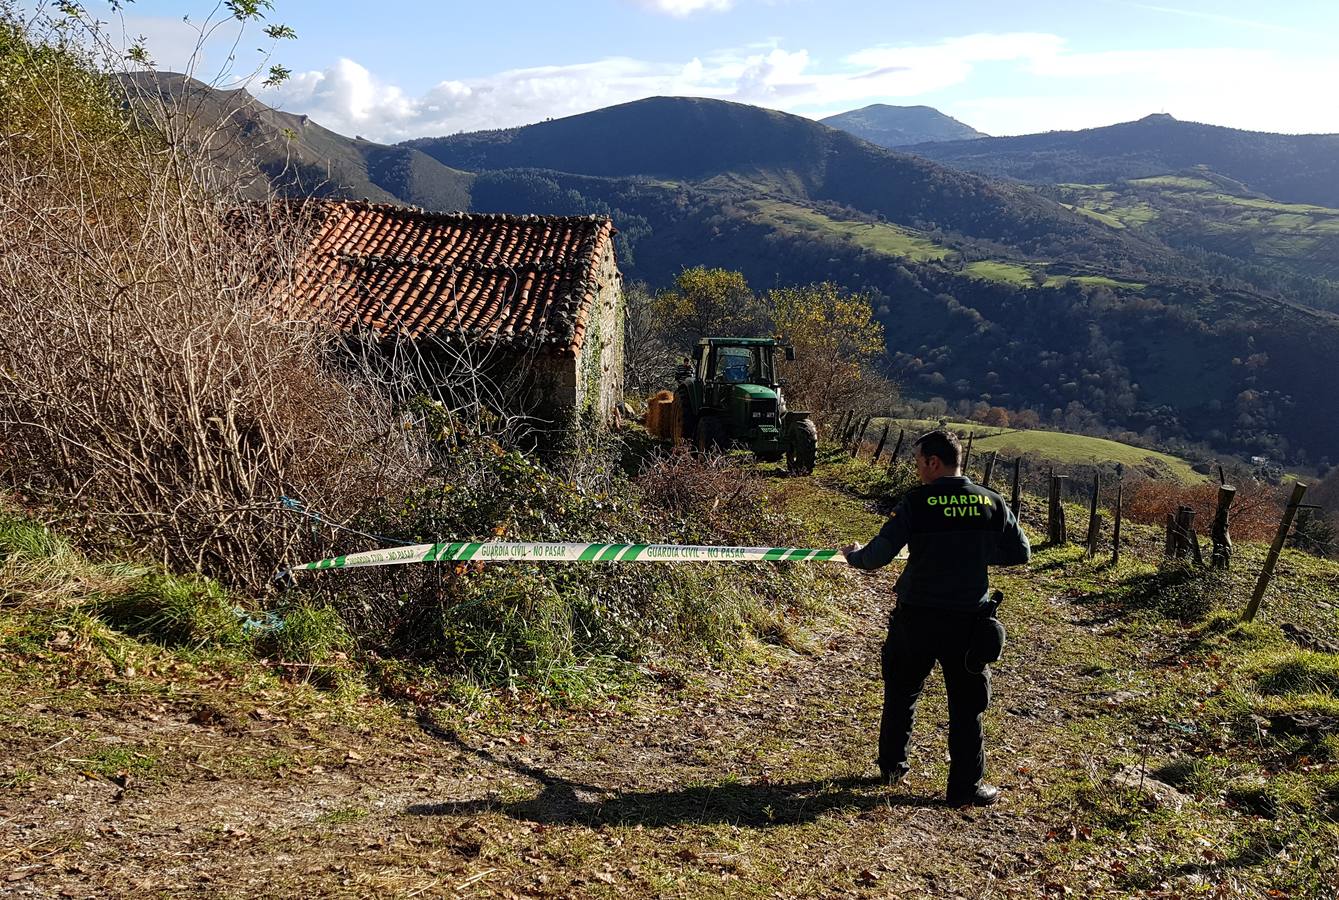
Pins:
x: 987, y: 646
x: 988, y: 638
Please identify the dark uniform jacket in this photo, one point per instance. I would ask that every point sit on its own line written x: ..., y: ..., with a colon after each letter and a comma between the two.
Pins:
x: 954, y: 530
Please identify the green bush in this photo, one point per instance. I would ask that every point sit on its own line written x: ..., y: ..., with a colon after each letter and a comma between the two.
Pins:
x: 309, y: 634
x: 878, y: 481
x: 564, y: 628
x: 1177, y: 590
x: 175, y: 612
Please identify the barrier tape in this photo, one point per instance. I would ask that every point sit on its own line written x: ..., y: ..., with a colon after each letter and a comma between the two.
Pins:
x: 499, y: 551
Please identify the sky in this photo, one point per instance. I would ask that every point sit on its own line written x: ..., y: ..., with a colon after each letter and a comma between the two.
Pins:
x: 397, y: 69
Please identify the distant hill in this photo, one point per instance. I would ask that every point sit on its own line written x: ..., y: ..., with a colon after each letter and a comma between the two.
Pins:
x: 898, y: 126
x: 294, y: 155
x: 1291, y: 168
x: 741, y: 152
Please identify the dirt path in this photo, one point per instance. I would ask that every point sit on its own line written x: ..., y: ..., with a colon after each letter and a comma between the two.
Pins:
x: 754, y: 782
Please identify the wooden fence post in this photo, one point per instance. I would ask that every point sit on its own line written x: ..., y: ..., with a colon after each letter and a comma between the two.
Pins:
x: 1185, y: 525
x: 1222, y: 540
x: 840, y: 434
x: 990, y: 468
x: 1094, y: 523
x: 1275, y: 549
x: 883, y: 439
x: 968, y: 454
x: 1056, y: 532
x: 1016, y: 497
x: 1115, y: 534
x: 897, y: 448
x: 860, y: 437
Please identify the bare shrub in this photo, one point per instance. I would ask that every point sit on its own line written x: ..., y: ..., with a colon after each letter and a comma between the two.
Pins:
x: 1254, y: 515
x: 147, y: 396
x: 715, y: 498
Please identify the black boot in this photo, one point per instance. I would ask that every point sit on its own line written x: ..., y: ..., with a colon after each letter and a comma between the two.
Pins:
x: 895, y: 775
x: 981, y: 795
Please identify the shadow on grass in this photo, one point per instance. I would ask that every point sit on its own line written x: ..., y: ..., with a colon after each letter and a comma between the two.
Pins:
x: 758, y: 805
x: 1183, y: 593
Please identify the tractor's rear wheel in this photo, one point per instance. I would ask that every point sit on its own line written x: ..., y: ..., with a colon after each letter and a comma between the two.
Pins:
x: 710, y: 434
x: 802, y: 448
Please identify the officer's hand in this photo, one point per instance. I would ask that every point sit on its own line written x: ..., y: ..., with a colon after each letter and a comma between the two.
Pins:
x: 848, y: 550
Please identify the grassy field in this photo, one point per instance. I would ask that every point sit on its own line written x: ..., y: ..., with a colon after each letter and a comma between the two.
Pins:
x: 1069, y: 449
x: 1178, y: 182
x: 1094, y: 281
x: 990, y: 270
x: 1102, y: 217
x: 880, y: 237
x: 904, y: 243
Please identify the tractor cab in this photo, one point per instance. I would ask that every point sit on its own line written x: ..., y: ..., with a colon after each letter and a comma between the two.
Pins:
x: 738, y: 361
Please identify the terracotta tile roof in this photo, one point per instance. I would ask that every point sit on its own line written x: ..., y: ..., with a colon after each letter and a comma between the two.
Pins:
x: 511, y: 280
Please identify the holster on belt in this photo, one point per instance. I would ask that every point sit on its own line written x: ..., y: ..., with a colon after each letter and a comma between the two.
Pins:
x: 988, y: 637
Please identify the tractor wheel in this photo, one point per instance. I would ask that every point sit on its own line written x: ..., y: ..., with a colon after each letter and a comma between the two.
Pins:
x: 710, y: 434
x: 802, y: 448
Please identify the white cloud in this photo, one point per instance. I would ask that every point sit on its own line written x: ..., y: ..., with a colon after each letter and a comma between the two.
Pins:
x: 1051, y: 87
x: 681, y: 8
x: 1256, y: 24
x: 347, y: 98
x: 1251, y: 89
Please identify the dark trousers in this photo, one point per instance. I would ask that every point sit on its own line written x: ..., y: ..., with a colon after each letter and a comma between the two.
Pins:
x: 916, y: 640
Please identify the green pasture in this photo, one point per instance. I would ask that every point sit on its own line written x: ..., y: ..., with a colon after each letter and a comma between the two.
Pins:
x: 991, y: 270
x: 881, y: 237
x: 1094, y: 281
x: 1067, y: 449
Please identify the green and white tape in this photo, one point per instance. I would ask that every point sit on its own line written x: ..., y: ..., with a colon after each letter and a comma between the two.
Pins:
x: 499, y: 551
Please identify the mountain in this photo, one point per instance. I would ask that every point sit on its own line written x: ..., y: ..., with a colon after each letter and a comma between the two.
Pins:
x: 989, y: 290
x: 292, y: 154
x: 1292, y: 168
x: 741, y: 153
x: 898, y: 126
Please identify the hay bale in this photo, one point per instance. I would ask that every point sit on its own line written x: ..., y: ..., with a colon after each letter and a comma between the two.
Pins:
x: 657, y: 407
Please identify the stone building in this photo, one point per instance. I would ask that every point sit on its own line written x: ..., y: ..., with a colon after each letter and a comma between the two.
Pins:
x: 539, y: 298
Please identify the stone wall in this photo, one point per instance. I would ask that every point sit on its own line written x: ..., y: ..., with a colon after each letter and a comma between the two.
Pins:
x: 600, y: 387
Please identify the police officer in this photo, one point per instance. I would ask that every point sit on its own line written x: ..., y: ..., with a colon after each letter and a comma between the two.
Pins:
x: 954, y: 529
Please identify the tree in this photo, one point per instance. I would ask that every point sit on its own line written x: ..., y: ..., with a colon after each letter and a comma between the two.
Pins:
x: 708, y: 302
x: 647, y: 361
x: 997, y: 417
x: 838, y: 346
x: 1312, y: 533
x: 1025, y: 418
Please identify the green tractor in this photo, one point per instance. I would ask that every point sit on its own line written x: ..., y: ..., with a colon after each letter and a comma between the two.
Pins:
x: 730, y: 395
